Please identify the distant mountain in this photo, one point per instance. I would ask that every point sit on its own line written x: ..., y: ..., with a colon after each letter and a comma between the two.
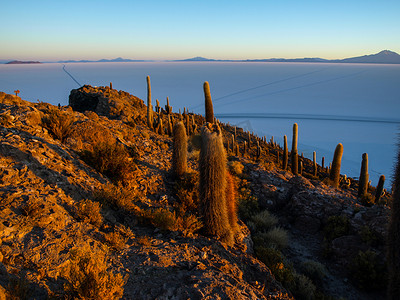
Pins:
x: 119, y: 59
x: 17, y: 62
x: 383, y: 57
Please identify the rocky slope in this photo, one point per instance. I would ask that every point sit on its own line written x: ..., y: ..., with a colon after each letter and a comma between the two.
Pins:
x: 58, y: 205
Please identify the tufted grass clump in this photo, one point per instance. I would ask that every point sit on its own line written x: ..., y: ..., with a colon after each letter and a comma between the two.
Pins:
x: 89, y: 211
x: 58, y: 123
x: 369, y: 271
x: 236, y: 167
x: 87, y: 276
x: 109, y: 158
x: 263, y: 221
x: 336, y: 226
x: 314, y: 270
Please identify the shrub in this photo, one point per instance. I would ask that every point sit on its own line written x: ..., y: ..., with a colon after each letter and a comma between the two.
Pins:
x: 18, y: 288
x: 263, y: 221
x: 109, y: 158
x: 336, y: 226
x: 58, y: 123
x: 314, y: 270
x: 87, y: 276
x: 117, y: 196
x: 236, y: 167
x: 302, y: 287
x: 89, y: 211
x: 115, y: 240
x: 186, y: 189
x: 368, y: 271
x: 169, y: 220
x: 248, y: 205
x: 368, y: 236
x: 277, y: 237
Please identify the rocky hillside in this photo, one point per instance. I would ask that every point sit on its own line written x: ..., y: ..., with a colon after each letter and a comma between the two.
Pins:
x: 90, y: 209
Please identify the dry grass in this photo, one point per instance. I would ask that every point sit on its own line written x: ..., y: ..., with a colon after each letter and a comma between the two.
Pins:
x: 58, y: 123
x: 87, y: 276
x: 169, y: 220
x: 115, y: 240
x: 89, y: 211
x: 117, y: 196
x: 109, y: 158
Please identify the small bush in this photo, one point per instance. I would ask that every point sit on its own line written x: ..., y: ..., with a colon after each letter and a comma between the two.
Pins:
x: 89, y: 211
x: 117, y: 196
x: 277, y: 237
x: 186, y: 188
x: 87, y: 276
x: 115, y: 240
x: 17, y: 289
x: 169, y: 220
x: 236, y: 167
x: 263, y: 221
x: 110, y: 159
x: 58, y: 123
x: 368, y: 200
x: 314, y: 270
x: 5, y: 120
x: 336, y: 226
x: 368, y: 271
x: 302, y: 287
x: 368, y: 236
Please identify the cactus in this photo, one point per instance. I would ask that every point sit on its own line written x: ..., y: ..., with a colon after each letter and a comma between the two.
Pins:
x: 231, y: 202
x: 393, y: 240
x: 168, y: 108
x: 179, y: 155
x: 110, y: 85
x: 301, y: 167
x: 244, y: 148
x: 233, y: 143
x: 277, y: 158
x: 363, y: 180
x: 212, y: 186
x: 187, y: 124
x: 157, y: 106
x: 285, y: 153
x: 249, y: 139
x: 237, y: 150
x: 149, y: 108
x: 294, y: 154
x: 323, y: 162
x: 315, y: 163
x: 335, y: 167
x: 379, y: 188
x: 169, y: 126
x: 208, y: 103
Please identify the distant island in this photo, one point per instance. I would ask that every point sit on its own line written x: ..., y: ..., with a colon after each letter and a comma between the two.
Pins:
x: 19, y: 62
x: 383, y: 57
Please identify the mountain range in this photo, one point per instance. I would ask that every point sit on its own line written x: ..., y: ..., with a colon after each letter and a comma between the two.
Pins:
x: 383, y: 57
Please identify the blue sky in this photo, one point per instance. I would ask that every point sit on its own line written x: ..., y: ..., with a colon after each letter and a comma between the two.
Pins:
x: 53, y: 30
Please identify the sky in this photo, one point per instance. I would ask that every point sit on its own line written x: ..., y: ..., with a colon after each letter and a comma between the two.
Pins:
x: 50, y: 30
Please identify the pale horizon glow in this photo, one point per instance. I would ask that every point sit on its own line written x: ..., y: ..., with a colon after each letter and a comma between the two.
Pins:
x: 47, y: 30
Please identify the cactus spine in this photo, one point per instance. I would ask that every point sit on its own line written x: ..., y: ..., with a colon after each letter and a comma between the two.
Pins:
x: 363, y: 180
x: 295, y: 162
x: 379, y: 188
x: 212, y: 165
x: 208, y: 103
x: 179, y: 155
x: 285, y: 153
x: 149, y: 108
x: 336, y: 163
x: 393, y: 241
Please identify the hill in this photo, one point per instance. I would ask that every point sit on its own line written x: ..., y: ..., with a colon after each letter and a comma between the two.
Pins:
x: 19, y: 62
x: 90, y: 207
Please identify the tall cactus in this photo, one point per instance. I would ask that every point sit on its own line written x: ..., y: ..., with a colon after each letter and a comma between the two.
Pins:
x: 110, y: 85
x: 379, y: 188
x: 363, y: 180
x: 335, y: 168
x: 315, y: 163
x: 170, y: 130
x: 208, y: 103
x: 149, y: 108
x: 212, y: 186
x: 285, y: 153
x: 393, y: 241
x: 295, y: 159
x: 179, y: 154
x: 323, y: 162
x: 231, y: 202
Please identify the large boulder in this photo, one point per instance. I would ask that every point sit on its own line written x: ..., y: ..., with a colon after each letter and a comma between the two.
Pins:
x: 107, y: 102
